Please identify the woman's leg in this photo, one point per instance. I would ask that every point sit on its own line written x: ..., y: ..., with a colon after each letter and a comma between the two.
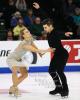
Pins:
x: 17, y: 80
x: 24, y: 74
x: 14, y: 75
x: 13, y: 89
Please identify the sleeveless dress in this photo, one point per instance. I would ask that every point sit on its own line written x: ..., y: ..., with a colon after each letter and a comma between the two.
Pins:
x: 15, y: 58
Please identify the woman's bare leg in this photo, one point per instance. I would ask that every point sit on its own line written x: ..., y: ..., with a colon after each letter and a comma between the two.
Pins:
x: 24, y: 74
x: 17, y: 80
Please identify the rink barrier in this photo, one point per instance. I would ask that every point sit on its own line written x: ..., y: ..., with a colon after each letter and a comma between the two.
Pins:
x: 43, y: 69
x: 41, y: 64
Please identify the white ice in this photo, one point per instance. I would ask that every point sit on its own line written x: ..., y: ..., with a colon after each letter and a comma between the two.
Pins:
x: 38, y: 85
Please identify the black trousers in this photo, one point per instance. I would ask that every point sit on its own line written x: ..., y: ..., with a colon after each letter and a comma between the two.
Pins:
x: 56, y: 68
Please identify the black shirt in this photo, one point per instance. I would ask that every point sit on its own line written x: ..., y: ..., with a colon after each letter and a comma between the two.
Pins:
x: 54, y: 40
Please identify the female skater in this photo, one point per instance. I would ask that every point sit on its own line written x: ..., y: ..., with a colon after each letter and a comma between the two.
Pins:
x: 15, y: 62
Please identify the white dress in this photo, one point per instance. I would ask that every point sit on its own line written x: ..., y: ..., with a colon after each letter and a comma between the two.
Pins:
x: 15, y: 58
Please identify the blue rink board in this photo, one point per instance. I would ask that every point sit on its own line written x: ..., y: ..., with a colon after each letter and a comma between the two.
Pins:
x: 42, y: 69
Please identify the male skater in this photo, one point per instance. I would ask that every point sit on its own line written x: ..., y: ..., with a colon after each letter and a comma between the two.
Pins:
x: 59, y: 60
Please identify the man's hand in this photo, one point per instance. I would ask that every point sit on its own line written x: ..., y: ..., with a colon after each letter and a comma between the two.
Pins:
x: 36, y: 5
x: 68, y: 34
x: 47, y: 50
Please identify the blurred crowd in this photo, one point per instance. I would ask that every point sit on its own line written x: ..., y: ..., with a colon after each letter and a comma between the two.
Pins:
x: 18, y: 14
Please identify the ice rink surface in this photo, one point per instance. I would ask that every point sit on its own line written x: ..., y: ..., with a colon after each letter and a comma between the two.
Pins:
x: 38, y: 85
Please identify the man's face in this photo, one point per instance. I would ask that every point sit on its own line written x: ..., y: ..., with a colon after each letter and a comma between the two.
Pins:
x: 46, y: 28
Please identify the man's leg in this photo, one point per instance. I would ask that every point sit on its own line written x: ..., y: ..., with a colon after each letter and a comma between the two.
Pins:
x: 65, y: 90
x: 60, y: 71
x: 56, y: 79
x: 58, y: 85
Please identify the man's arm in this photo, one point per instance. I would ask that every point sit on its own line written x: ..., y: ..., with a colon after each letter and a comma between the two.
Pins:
x: 68, y: 34
x: 64, y: 35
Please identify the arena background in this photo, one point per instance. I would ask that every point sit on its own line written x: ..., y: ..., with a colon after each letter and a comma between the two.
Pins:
x: 35, y: 62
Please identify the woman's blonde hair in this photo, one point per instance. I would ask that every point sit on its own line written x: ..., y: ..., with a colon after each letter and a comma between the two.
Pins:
x: 21, y: 33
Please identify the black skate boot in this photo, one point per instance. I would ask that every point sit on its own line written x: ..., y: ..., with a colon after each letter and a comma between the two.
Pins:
x: 57, y: 90
x: 65, y: 92
x: 57, y: 82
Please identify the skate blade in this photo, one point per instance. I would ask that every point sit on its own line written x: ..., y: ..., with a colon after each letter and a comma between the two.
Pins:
x: 17, y: 95
x: 14, y: 95
x: 58, y: 94
x: 64, y: 97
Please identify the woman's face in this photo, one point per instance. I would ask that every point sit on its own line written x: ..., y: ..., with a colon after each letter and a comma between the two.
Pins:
x: 27, y: 34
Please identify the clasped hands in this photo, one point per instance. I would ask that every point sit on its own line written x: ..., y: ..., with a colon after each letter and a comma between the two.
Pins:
x: 47, y: 50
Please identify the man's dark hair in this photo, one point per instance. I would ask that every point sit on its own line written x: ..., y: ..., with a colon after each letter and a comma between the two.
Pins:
x: 47, y: 21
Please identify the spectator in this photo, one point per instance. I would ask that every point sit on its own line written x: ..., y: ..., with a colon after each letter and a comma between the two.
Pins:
x: 15, y: 18
x: 21, y: 5
x: 62, y: 23
x: 9, y: 35
x: 1, y: 15
x: 44, y: 36
x: 37, y: 28
x: 76, y: 18
x: 69, y: 7
x: 18, y: 28
x: 77, y: 2
x: 2, y: 27
x: 10, y: 10
x: 29, y: 18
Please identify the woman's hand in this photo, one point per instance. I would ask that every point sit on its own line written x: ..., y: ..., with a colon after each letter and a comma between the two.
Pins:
x: 42, y: 52
x: 51, y: 49
x: 36, y: 5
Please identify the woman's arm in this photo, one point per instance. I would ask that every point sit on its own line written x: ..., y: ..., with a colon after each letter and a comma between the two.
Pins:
x: 51, y: 49
x: 34, y: 46
x: 48, y: 50
x: 33, y: 49
x: 40, y: 54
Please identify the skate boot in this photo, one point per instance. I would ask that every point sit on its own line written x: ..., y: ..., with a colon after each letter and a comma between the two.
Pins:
x: 11, y: 90
x: 15, y: 91
x: 56, y: 91
x: 64, y: 94
x: 57, y: 82
x: 65, y: 91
